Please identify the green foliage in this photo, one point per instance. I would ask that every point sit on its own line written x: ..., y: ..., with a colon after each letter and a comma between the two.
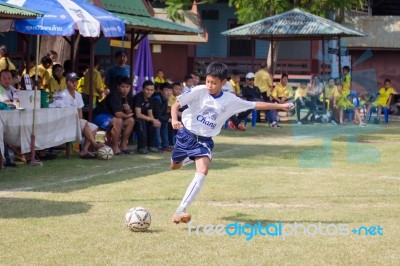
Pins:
x: 251, y: 10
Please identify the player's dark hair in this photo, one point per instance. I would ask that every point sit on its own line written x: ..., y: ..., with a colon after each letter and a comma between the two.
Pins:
x: 346, y: 68
x: 123, y: 80
x: 5, y: 71
x: 387, y: 80
x: 166, y: 85
x: 147, y: 83
x: 284, y: 75
x: 218, y: 70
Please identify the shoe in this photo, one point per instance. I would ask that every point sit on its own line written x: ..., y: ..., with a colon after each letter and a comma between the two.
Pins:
x: 241, y: 127
x: 181, y: 217
x: 275, y: 125
x: 299, y: 123
x: 167, y: 149
x: 362, y: 124
x: 231, y: 125
x: 143, y: 151
x: 153, y: 149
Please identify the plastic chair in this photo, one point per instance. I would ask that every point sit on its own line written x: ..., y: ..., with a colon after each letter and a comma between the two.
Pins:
x: 254, y: 115
x: 385, y: 112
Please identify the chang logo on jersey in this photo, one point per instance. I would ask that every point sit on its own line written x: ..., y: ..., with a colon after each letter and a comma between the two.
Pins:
x: 207, y: 118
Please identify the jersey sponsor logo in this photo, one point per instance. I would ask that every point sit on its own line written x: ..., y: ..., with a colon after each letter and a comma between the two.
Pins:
x: 208, y: 114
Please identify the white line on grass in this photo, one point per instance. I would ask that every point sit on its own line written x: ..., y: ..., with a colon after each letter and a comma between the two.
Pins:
x: 74, y: 179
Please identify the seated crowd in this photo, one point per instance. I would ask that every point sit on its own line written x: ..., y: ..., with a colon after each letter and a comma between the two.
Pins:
x: 125, y: 115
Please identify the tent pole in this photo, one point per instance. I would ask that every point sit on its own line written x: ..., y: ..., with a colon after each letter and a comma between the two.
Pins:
x: 33, y: 144
x: 91, y: 67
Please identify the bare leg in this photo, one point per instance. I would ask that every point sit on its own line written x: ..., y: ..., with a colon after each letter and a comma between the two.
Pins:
x: 115, y: 134
x: 127, y: 132
x: 341, y: 115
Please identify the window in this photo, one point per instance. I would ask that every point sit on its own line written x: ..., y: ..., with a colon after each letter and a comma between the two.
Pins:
x: 239, y: 47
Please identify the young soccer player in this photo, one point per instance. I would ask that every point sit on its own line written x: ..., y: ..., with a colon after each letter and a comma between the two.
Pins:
x: 208, y: 109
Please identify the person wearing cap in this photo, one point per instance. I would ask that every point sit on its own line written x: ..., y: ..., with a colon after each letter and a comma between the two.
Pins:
x: 114, y: 115
x: 72, y: 98
x: 263, y: 80
x: 252, y: 93
x: 121, y: 69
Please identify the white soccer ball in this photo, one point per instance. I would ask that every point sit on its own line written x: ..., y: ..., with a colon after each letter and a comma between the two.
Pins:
x: 105, y: 153
x: 138, y: 219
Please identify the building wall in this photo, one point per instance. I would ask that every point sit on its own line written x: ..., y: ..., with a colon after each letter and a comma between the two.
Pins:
x: 371, y: 71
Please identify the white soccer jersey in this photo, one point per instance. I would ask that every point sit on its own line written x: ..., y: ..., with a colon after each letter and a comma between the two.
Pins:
x: 206, y: 115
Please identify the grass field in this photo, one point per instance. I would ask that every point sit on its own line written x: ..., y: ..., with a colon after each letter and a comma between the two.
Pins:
x: 72, y: 212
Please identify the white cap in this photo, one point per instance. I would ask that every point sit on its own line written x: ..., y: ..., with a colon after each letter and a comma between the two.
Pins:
x: 250, y: 75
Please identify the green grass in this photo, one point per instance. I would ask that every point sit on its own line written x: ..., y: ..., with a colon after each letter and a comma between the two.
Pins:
x: 72, y: 212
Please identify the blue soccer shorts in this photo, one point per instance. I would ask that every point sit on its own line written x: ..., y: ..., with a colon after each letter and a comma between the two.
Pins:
x: 190, y: 145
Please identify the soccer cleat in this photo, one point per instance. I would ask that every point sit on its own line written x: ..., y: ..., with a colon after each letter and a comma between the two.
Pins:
x: 362, y: 124
x: 231, y: 125
x: 241, y: 127
x: 181, y: 217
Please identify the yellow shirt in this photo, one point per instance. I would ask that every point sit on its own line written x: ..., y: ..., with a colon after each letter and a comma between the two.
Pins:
x: 282, y: 91
x: 300, y: 92
x: 98, y: 86
x: 171, y: 100
x: 346, y: 84
x: 263, y: 81
x: 159, y: 80
x: 81, y: 85
x: 384, y: 95
x: 3, y: 64
x: 55, y: 86
x: 329, y: 93
x: 235, y: 86
x: 43, y: 73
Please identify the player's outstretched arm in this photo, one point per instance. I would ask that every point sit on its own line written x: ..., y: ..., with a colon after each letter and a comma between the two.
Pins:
x: 274, y: 106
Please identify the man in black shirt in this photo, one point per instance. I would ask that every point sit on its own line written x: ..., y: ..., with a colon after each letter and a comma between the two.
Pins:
x: 146, y: 124
x: 250, y: 92
x: 115, y: 116
x: 160, y: 112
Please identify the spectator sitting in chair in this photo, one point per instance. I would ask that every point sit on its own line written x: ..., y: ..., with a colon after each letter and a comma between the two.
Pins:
x: 282, y: 92
x: 72, y: 98
x: 146, y: 124
x: 115, y: 115
x: 343, y: 102
x: 252, y: 93
x: 302, y: 100
x: 7, y: 92
x: 383, y: 100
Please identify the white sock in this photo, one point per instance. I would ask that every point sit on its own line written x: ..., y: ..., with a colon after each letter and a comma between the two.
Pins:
x: 192, y: 191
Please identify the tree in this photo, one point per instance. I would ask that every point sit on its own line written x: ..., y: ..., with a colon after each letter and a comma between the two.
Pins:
x: 251, y: 10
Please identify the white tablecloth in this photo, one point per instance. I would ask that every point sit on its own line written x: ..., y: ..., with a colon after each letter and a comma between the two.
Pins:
x: 54, y: 126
